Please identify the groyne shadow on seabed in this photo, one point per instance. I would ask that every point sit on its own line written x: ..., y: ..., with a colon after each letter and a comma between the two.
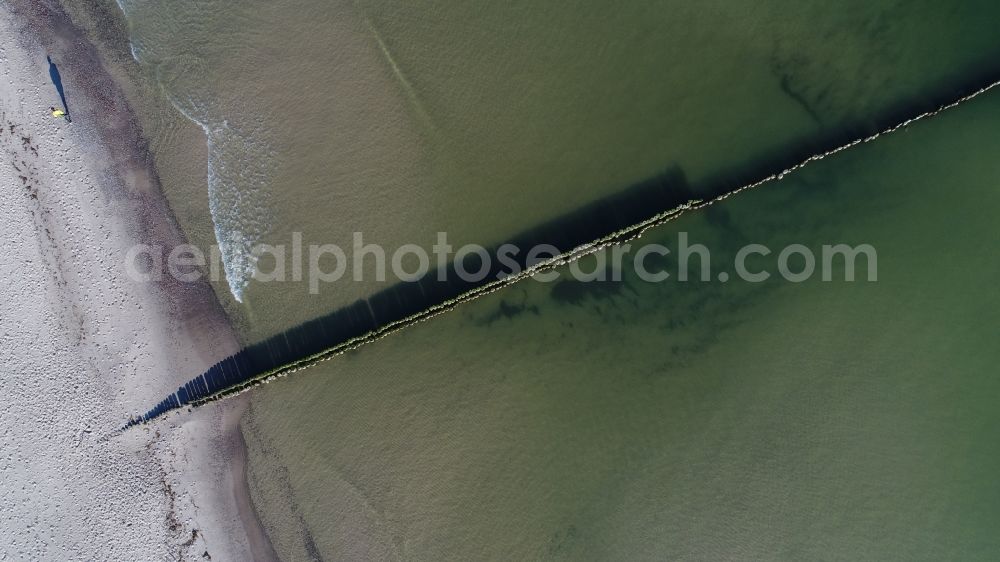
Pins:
x: 614, y: 219
x: 440, y: 289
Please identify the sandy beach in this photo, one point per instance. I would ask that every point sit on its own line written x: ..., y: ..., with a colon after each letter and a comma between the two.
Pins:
x: 84, y: 347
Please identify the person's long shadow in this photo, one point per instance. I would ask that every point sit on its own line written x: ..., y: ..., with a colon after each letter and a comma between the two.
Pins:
x: 57, y: 80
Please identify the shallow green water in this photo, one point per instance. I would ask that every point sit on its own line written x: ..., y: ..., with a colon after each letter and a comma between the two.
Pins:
x: 835, y: 421
x: 635, y: 421
x: 482, y: 119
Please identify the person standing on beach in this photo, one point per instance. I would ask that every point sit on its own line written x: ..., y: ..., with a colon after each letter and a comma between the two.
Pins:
x: 58, y: 113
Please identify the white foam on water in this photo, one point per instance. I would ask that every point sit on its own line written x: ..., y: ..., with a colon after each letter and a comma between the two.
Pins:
x: 239, y: 166
x: 239, y: 162
x: 131, y: 44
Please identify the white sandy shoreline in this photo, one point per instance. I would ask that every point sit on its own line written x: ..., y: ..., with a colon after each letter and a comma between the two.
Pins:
x: 82, y: 348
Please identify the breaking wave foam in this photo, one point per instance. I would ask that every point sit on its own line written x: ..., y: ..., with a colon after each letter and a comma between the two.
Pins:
x: 239, y: 161
x: 238, y: 175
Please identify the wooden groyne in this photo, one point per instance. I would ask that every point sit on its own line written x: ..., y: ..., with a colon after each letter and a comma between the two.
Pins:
x: 620, y: 217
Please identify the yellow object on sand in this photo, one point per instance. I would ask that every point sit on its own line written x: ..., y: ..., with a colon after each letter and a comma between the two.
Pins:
x: 58, y: 113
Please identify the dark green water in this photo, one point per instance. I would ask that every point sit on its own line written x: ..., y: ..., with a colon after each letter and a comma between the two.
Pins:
x: 821, y: 420
x: 634, y: 421
x: 482, y: 119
